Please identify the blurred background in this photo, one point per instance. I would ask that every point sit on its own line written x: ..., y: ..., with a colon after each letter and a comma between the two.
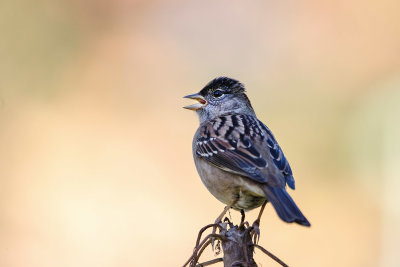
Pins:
x: 96, y: 165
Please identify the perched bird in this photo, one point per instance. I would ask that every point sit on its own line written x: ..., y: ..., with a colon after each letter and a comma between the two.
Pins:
x: 237, y: 156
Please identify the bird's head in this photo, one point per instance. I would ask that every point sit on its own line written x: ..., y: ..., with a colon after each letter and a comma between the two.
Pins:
x: 221, y: 96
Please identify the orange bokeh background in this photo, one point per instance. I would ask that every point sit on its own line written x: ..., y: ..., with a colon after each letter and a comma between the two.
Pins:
x: 95, y: 149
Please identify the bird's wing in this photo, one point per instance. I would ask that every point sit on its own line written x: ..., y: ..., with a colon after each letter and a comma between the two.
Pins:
x: 277, y: 156
x: 243, y: 145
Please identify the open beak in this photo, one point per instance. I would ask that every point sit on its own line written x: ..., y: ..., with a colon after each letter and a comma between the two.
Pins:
x: 201, y: 101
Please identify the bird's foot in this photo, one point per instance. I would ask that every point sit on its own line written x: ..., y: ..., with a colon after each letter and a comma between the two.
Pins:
x: 255, y: 232
x: 227, y: 221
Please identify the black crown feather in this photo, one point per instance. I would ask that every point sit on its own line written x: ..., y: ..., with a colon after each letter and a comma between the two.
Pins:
x: 224, y: 83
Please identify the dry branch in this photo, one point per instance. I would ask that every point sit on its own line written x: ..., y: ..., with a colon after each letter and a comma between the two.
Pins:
x: 237, y: 246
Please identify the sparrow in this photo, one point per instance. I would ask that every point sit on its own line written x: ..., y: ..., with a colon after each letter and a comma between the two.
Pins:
x: 236, y: 155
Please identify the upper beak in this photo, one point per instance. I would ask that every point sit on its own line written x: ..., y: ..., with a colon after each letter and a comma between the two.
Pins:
x: 201, y: 101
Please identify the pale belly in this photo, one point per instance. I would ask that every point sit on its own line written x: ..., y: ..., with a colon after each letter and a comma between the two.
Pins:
x: 230, y: 188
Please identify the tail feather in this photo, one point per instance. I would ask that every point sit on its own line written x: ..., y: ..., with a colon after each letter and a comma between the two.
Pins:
x: 284, y: 205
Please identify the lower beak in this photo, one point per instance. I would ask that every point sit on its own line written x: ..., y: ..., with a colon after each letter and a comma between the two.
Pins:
x: 201, y: 101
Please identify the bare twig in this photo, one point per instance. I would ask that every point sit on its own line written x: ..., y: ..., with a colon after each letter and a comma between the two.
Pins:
x: 201, y: 250
x: 205, y: 228
x: 275, y: 258
x: 197, y: 256
x: 209, y: 262
x: 203, y: 244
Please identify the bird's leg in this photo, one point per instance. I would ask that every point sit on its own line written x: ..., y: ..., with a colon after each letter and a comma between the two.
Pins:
x: 256, y: 224
x: 219, y: 219
x: 242, y: 219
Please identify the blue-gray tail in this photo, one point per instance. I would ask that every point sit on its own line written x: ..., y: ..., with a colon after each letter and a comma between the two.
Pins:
x: 284, y: 205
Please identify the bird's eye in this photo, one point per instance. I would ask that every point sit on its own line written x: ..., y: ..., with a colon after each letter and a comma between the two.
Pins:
x: 217, y: 93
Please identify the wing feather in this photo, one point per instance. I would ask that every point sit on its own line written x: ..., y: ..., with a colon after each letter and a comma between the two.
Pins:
x: 232, y: 143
